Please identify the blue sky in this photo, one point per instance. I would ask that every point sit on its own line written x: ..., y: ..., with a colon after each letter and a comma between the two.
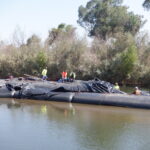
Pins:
x: 39, y: 16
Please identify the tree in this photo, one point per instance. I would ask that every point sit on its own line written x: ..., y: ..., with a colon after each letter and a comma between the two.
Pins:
x: 128, y: 60
x: 33, y: 40
x: 41, y: 60
x: 146, y: 4
x: 58, y: 33
x: 103, y: 18
x: 123, y: 66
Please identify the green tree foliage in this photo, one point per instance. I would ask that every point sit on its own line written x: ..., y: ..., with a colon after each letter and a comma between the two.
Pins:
x: 127, y: 61
x: 121, y: 58
x: 146, y: 4
x: 65, y: 49
x: 41, y: 60
x: 122, y: 66
x: 67, y: 54
x: 120, y: 43
x: 58, y: 33
x: 102, y: 18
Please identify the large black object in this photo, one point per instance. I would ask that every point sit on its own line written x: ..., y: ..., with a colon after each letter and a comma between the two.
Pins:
x: 88, y: 92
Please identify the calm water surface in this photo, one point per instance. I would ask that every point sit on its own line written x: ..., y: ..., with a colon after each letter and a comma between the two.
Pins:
x: 37, y: 125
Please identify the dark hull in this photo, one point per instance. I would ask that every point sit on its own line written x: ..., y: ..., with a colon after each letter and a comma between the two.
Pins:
x: 44, y: 91
x: 99, y: 99
x: 90, y: 98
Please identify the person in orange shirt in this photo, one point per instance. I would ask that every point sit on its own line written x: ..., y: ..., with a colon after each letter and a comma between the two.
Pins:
x: 64, y: 76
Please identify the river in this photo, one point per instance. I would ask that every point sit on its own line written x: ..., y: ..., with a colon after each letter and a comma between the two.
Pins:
x: 41, y: 125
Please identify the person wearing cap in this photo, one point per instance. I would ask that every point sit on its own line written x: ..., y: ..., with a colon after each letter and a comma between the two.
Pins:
x: 116, y: 86
x: 137, y: 91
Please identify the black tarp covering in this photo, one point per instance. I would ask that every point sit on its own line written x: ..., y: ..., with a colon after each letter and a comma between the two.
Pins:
x: 145, y: 93
x: 99, y: 86
x: 93, y: 86
x: 29, y: 89
x: 87, y: 92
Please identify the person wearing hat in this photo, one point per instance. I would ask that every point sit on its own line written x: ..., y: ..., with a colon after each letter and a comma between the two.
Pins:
x: 137, y: 91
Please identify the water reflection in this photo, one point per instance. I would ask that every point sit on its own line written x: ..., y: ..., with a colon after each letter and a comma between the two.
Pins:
x: 44, y: 109
x: 55, y: 125
x: 67, y: 110
x: 13, y: 104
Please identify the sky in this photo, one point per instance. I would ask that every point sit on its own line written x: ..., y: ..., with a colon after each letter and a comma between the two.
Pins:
x: 39, y: 16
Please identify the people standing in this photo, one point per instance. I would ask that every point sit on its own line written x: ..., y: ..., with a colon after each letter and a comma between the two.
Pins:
x: 116, y: 86
x: 72, y: 76
x: 64, y: 76
x: 44, y: 74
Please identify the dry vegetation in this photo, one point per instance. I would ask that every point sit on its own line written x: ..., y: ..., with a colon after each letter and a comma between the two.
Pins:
x: 123, y: 58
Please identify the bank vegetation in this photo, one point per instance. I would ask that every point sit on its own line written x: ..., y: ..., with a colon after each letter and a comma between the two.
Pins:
x: 117, y: 52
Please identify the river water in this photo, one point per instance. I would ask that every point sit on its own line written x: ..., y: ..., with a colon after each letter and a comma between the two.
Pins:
x: 41, y: 125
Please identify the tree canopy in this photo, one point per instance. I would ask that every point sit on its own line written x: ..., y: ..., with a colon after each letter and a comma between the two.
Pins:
x: 102, y: 18
x: 59, y: 32
x: 34, y: 39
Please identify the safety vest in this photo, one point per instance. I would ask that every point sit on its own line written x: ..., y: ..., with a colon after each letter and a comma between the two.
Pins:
x: 64, y: 74
x: 117, y: 87
x: 72, y: 75
x: 44, y: 72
